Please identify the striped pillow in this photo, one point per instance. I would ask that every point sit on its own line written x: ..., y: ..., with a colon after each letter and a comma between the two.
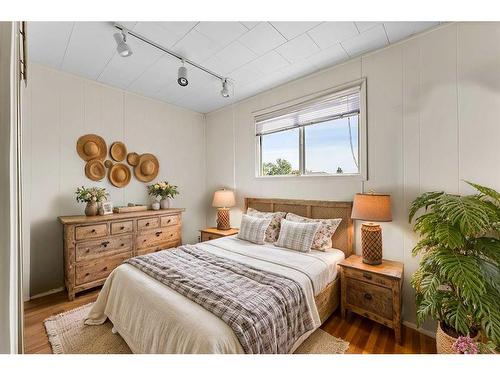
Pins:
x: 253, y: 229
x: 273, y: 230
x: 323, y: 237
x: 297, y: 236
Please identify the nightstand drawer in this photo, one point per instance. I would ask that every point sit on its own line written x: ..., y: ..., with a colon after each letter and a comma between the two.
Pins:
x: 372, y: 298
x: 208, y: 236
x: 368, y: 277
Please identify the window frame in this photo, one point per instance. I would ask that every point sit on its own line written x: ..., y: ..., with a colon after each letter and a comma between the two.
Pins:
x: 362, y: 135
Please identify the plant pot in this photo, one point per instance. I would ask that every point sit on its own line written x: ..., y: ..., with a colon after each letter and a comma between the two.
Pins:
x: 165, y: 203
x: 444, y: 341
x: 91, y: 209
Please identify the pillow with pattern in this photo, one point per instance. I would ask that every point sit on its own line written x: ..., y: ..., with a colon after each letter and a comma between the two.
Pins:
x: 297, y: 236
x: 273, y: 231
x: 253, y: 229
x: 323, y: 237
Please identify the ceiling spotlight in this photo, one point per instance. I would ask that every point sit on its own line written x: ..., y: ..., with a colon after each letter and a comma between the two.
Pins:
x: 225, y: 88
x: 122, y: 47
x: 182, y: 75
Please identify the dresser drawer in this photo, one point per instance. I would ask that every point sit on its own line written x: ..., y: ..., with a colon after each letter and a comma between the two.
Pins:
x: 368, y: 277
x: 86, y: 232
x: 169, y: 220
x: 161, y: 246
x: 155, y: 237
x: 121, y: 227
x: 93, y: 249
x: 87, y: 272
x: 148, y: 223
x: 369, y: 297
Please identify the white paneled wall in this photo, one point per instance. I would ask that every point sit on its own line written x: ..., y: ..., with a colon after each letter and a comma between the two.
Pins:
x: 433, y: 121
x: 59, y: 108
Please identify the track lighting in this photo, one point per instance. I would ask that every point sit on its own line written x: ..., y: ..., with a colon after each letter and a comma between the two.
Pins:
x: 182, y: 75
x: 122, y: 47
x: 225, y: 88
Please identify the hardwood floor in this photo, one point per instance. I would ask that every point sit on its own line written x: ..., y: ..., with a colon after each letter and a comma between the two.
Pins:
x: 363, y: 335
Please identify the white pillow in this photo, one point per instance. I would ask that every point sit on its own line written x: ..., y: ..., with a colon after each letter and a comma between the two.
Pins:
x: 297, y: 236
x: 323, y: 237
x: 253, y: 229
x: 273, y: 230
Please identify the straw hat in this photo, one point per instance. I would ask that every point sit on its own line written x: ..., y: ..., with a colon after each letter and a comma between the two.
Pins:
x: 119, y: 175
x: 95, y: 170
x: 91, y: 146
x: 118, y: 151
x: 133, y: 158
x: 147, y: 168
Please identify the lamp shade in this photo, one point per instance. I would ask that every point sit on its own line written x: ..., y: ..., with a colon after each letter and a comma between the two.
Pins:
x: 372, y: 207
x: 223, y: 198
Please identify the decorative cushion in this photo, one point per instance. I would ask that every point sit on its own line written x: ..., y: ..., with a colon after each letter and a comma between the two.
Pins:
x: 297, y: 236
x: 273, y: 231
x: 323, y: 237
x: 253, y: 229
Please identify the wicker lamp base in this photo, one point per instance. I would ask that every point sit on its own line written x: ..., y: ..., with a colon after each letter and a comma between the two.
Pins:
x: 371, y: 242
x: 223, y: 222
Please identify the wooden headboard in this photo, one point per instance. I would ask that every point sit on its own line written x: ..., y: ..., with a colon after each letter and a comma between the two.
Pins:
x: 343, y: 236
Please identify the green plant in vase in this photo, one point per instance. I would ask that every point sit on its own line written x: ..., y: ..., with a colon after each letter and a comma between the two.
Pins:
x: 92, y: 196
x: 163, y: 191
x: 458, y: 279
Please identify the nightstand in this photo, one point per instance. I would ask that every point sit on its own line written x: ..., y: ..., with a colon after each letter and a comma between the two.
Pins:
x: 208, y: 234
x: 373, y: 291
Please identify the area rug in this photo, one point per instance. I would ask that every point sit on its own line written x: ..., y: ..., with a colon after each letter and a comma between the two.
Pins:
x: 68, y: 335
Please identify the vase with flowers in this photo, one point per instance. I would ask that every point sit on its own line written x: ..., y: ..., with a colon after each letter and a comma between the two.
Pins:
x: 164, y: 192
x: 93, y: 197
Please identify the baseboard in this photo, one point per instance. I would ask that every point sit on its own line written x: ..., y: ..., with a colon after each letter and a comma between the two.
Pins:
x: 48, y: 292
x: 420, y: 329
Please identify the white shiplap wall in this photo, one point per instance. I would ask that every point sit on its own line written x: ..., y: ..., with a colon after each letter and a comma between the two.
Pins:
x: 433, y: 121
x: 58, y: 109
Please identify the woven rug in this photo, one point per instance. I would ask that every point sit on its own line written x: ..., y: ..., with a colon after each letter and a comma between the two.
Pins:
x: 68, y: 335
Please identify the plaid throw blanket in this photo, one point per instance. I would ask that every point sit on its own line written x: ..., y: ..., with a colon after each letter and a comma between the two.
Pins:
x: 267, y: 312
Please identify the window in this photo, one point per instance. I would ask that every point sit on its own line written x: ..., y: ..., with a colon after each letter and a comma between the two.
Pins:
x: 318, y: 137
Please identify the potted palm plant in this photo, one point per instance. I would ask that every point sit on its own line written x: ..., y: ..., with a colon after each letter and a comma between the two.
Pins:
x: 458, y: 279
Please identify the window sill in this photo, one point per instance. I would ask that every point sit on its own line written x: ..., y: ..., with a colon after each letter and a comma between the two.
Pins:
x: 340, y: 175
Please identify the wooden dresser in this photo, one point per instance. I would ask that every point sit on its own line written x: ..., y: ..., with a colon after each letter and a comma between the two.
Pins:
x: 95, y: 245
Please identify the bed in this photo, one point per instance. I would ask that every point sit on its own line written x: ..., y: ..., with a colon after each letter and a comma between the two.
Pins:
x: 153, y: 318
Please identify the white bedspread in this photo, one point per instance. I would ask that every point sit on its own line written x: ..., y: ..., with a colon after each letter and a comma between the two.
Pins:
x: 153, y: 318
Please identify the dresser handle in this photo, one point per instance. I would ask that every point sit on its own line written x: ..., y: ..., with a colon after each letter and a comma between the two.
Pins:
x: 147, y: 224
x: 367, y: 276
x: 368, y: 296
x: 122, y: 228
x: 88, y: 250
x: 122, y: 244
x: 158, y: 233
x: 168, y: 221
x: 105, y: 268
x: 87, y: 274
x: 92, y: 231
x: 105, y: 243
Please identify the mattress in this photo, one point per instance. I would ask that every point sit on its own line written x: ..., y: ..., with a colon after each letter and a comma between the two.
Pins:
x: 153, y: 318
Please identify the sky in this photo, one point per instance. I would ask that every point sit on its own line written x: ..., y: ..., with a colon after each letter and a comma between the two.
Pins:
x: 327, y: 146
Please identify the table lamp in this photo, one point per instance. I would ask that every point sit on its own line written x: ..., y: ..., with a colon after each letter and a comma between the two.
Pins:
x: 371, y: 207
x: 223, y: 199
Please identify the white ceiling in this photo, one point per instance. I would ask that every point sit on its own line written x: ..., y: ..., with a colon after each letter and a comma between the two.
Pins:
x: 254, y: 55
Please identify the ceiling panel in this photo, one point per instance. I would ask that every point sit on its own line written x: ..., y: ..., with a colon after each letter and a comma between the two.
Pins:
x: 90, y: 48
x: 400, y: 30
x: 298, y: 49
x: 367, y: 41
x: 255, y: 56
x: 262, y: 38
x: 329, y: 33
x: 292, y: 29
x: 47, y: 41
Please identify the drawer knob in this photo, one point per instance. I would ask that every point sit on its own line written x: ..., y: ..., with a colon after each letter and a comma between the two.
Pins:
x: 105, y: 243
x: 87, y: 274
x: 169, y: 220
x: 367, y: 276
x: 105, y: 268
x: 92, y: 231
x: 122, y: 244
x: 88, y: 251
x: 158, y: 233
x: 122, y: 227
x: 147, y: 224
x: 368, y: 296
